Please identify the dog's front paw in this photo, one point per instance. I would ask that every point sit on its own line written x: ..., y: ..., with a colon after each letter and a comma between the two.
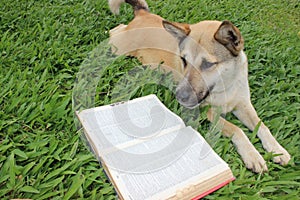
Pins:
x: 254, y: 161
x: 271, y: 145
x: 282, y: 157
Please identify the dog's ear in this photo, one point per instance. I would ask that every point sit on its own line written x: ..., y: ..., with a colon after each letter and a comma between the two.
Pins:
x: 230, y: 37
x: 178, y: 30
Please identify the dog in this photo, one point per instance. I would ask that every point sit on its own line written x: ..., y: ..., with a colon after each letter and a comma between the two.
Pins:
x: 209, y: 56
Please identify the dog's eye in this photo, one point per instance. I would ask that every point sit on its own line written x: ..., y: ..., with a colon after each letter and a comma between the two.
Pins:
x: 184, y: 62
x: 206, y: 64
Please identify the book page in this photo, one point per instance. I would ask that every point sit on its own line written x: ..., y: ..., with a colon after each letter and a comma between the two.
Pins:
x: 184, y: 158
x: 114, y: 127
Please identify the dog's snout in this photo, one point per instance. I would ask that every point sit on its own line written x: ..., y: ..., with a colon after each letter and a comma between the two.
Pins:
x: 182, y: 96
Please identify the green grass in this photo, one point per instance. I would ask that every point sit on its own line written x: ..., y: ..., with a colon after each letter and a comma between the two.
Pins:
x: 43, y: 44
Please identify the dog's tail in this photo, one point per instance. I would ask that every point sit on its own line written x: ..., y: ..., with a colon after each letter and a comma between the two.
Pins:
x: 136, y: 4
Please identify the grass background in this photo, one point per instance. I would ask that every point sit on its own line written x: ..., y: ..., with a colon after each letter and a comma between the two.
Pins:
x: 43, y: 44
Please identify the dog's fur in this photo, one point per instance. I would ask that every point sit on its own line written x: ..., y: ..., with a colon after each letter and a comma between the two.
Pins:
x: 210, y: 56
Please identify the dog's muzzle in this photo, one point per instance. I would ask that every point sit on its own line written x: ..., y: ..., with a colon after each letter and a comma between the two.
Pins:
x: 187, y: 96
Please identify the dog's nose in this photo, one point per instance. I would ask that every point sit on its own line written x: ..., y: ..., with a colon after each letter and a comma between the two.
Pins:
x: 182, y: 96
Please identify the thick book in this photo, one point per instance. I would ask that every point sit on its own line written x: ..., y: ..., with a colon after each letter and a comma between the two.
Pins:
x: 148, y: 153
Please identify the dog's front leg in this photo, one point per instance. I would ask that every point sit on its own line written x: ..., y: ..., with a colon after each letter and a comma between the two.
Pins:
x: 247, y: 115
x: 251, y: 157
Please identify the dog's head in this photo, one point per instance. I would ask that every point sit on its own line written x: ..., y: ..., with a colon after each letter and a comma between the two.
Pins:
x: 211, y: 54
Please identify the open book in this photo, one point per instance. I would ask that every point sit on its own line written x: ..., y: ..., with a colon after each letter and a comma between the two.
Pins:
x: 149, y: 153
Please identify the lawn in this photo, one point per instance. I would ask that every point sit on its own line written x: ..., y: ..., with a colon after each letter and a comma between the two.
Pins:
x: 44, y: 45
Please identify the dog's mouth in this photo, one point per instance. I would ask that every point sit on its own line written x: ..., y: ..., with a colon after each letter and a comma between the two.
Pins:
x: 204, y: 97
x: 191, y: 100
x: 200, y: 100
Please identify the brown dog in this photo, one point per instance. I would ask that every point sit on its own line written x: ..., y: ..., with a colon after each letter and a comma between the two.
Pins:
x: 210, y: 56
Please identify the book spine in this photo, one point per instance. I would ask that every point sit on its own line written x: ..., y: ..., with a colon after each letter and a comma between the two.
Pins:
x: 213, y: 189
